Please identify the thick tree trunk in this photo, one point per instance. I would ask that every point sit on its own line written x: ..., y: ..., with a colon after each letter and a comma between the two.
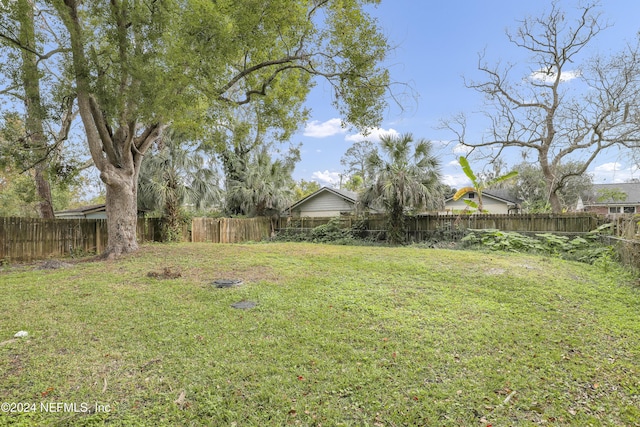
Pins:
x: 33, y: 106
x: 122, y: 218
x: 554, y: 201
x: 45, y: 206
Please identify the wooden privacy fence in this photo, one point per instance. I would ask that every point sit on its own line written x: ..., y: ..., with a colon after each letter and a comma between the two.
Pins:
x: 230, y: 230
x: 421, y: 226
x: 27, y: 239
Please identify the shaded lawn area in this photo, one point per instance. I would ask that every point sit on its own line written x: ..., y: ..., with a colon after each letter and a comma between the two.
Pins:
x: 340, y: 336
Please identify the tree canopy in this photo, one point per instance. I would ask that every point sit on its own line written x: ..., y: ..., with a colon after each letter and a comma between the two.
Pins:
x: 530, y: 186
x: 138, y: 66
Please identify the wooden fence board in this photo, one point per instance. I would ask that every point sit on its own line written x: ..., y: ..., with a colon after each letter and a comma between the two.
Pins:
x: 27, y: 239
x: 421, y: 225
x: 229, y: 230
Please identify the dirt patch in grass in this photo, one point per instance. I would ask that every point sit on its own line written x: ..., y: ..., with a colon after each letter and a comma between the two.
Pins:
x: 167, y: 273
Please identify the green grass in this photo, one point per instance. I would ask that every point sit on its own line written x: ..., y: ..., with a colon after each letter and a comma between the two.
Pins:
x: 340, y: 336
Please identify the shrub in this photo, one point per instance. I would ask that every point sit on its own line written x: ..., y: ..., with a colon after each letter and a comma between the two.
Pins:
x: 584, y: 249
x: 331, y: 232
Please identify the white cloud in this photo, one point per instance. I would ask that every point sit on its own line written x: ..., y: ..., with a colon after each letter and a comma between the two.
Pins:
x: 613, y: 172
x: 456, y: 180
x: 326, y: 177
x: 549, y: 77
x: 608, y: 167
x: 316, y: 129
x: 462, y: 149
x: 455, y: 163
x: 373, y: 135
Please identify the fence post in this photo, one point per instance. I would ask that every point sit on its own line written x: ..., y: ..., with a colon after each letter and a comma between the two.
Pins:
x: 97, y: 224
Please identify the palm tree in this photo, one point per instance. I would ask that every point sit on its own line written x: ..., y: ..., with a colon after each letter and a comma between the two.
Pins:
x: 173, y: 177
x: 406, y: 177
x: 265, y: 187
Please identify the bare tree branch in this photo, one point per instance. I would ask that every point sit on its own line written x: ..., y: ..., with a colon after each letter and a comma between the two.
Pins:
x: 541, y: 113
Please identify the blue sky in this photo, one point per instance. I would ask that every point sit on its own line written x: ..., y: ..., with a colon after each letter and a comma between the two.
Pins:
x: 437, y: 43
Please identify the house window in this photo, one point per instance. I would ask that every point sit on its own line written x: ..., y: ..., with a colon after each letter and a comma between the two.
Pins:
x: 472, y: 195
x: 629, y: 209
x: 614, y: 209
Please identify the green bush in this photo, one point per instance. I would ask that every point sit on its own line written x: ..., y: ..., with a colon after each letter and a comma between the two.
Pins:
x: 331, y: 232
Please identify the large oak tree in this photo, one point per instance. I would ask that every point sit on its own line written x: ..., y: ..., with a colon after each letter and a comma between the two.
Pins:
x: 141, y: 65
x: 566, y: 107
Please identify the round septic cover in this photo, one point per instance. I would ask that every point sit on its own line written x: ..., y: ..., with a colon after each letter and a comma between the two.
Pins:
x: 227, y: 283
x: 244, y: 305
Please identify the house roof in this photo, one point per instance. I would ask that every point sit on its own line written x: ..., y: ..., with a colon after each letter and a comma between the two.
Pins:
x: 84, y: 210
x: 88, y: 210
x: 348, y: 196
x: 499, y: 194
x: 598, y: 191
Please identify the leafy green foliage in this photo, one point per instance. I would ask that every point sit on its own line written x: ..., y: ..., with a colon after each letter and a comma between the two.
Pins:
x: 531, y: 187
x: 304, y: 188
x: 611, y: 195
x: 334, y: 232
x: 478, y: 186
x: 585, y: 248
x: 265, y: 187
x: 175, y: 178
x: 196, y: 64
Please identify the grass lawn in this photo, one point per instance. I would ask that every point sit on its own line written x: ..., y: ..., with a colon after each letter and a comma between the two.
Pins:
x: 340, y: 336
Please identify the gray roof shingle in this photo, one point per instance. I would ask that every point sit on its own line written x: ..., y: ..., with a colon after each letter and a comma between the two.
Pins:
x: 631, y: 189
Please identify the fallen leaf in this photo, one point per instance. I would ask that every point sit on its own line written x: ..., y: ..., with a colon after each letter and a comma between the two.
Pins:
x: 180, y: 400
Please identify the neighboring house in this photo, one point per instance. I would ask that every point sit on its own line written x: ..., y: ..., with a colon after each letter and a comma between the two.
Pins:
x: 330, y: 202
x: 493, y: 202
x: 611, y: 199
x: 326, y: 202
x: 84, y: 212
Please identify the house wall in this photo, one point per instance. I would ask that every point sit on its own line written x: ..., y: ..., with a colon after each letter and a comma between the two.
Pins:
x: 97, y: 215
x: 600, y: 210
x: 604, y: 210
x: 323, y: 205
x: 488, y: 204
